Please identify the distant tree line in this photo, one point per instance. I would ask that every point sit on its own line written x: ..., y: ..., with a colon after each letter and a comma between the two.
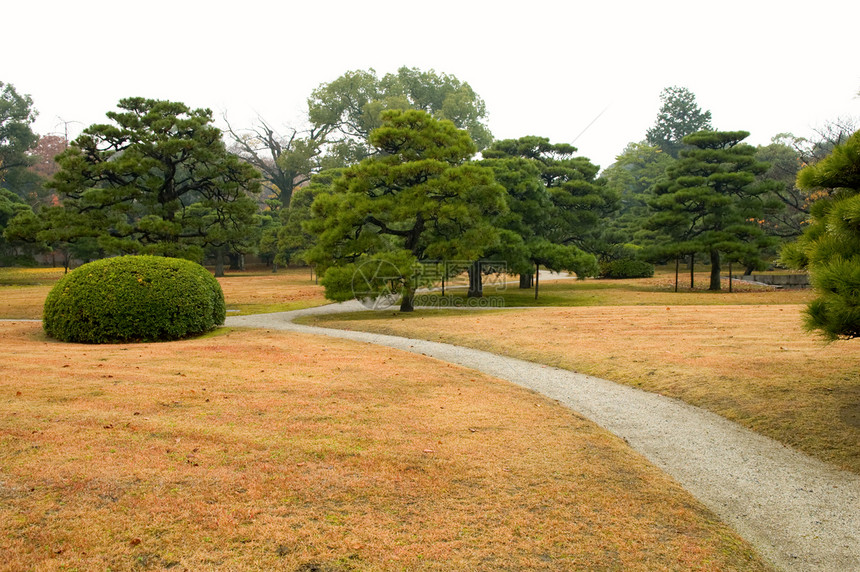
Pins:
x: 402, y: 169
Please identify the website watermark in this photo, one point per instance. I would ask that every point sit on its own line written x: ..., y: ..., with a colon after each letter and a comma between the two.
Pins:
x: 380, y: 284
x: 448, y: 301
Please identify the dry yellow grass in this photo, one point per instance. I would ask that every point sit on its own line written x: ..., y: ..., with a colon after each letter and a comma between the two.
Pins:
x: 259, y: 292
x: 257, y: 450
x: 657, y: 290
x: 22, y: 302
x: 23, y: 291
x: 752, y: 364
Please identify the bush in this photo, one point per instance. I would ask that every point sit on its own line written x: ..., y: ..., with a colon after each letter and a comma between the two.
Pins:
x: 626, y: 268
x: 134, y: 299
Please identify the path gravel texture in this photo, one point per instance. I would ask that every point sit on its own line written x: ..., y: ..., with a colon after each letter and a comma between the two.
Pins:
x: 800, y: 513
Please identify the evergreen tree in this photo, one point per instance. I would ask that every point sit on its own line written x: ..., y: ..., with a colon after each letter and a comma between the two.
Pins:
x: 635, y: 171
x: 830, y: 246
x: 710, y: 201
x: 418, y: 198
x: 578, y: 202
x: 16, y: 137
x: 524, y: 244
x: 679, y: 116
x: 157, y: 180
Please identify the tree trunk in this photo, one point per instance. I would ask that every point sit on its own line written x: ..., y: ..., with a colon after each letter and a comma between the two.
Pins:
x: 407, y: 299
x: 219, y: 262
x: 526, y: 281
x: 715, y: 271
x: 677, y: 267
x: 692, y: 271
x: 274, y: 267
x: 730, y: 277
x: 537, y: 280
x: 476, y: 286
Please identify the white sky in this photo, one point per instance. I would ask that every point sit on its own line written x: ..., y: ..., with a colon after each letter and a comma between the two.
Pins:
x: 543, y: 67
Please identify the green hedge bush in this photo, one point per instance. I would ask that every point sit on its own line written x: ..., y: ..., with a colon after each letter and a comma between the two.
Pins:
x: 134, y: 299
x: 626, y: 268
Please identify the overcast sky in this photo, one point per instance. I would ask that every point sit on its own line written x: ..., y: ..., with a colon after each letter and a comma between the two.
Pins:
x: 543, y: 67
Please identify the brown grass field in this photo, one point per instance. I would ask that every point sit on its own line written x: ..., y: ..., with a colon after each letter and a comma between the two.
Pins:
x: 657, y: 290
x: 23, y: 291
x: 752, y: 364
x: 258, y: 450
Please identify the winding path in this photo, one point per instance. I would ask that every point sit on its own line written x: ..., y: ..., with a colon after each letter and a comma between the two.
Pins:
x: 800, y: 513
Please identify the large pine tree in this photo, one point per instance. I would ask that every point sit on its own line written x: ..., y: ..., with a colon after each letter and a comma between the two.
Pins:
x: 830, y: 246
x: 710, y: 200
x: 418, y: 198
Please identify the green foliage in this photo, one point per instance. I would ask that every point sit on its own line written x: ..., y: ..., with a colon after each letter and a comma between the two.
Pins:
x: 555, y: 202
x: 294, y: 239
x: 785, y: 162
x: 626, y: 268
x: 635, y: 171
x: 16, y: 137
x: 10, y: 207
x: 830, y: 247
x: 352, y: 105
x: 679, y: 116
x: 710, y: 201
x: 267, y: 246
x: 418, y: 194
x: 158, y: 180
x: 134, y: 299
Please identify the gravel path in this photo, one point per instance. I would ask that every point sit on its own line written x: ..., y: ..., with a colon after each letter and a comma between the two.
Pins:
x: 798, y: 512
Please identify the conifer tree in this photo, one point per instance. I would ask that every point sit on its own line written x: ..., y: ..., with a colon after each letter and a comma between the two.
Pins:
x: 830, y: 246
x: 711, y: 202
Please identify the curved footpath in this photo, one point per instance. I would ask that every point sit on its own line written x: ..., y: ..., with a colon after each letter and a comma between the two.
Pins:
x: 799, y: 512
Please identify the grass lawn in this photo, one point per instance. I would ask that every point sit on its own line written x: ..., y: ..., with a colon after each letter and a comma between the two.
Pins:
x: 658, y: 290
x: 753, y: 364
x: 256, y: 450
x: 23, y: 291
x: 256, y: 292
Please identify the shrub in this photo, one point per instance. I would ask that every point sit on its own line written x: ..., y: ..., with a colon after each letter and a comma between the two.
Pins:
x: 626, y: 268
x: 134, y: 299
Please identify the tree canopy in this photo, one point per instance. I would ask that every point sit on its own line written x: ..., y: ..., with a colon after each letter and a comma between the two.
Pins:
x: 710, y: 201
x: 285, y: 160
x: 351, y: 106
x: 553, y: 204
x: 418, y: 198
x: 679, y: 116
x: 830, y: 246
x: 579, y: 200
x: 156, y: 180
x: 16, y: 135
x: 635, y: 171
x: 11, y: 206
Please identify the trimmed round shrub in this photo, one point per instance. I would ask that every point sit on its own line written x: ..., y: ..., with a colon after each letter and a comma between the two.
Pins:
x: 626, y: 268
x: 134, y: 299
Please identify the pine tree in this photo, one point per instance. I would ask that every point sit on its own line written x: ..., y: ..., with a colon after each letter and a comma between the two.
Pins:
x: 830, y: 246
x: 710, y: 201
x: 418, y: 198
x: 679, y: 116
